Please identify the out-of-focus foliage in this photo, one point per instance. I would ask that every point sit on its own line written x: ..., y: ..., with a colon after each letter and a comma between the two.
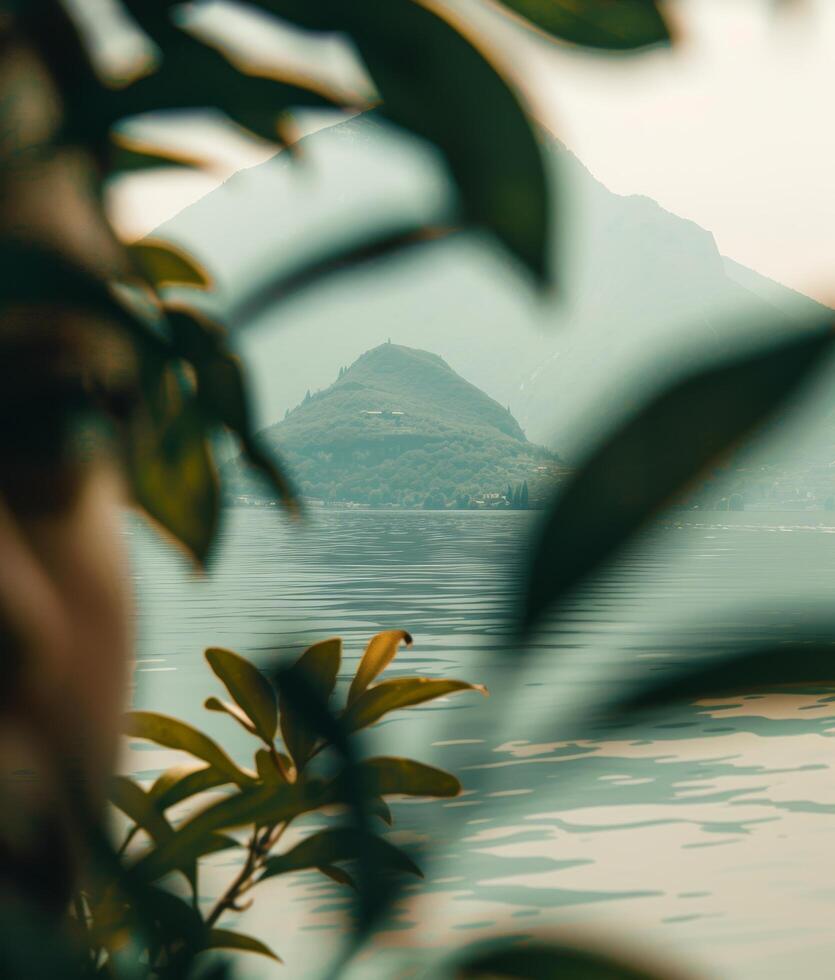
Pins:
x: 224, y: 806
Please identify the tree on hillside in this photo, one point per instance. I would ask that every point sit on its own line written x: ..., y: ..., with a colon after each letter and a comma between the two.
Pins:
x: 524, y: 496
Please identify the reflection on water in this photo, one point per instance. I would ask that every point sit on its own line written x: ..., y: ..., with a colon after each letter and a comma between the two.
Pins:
x: 708, y: 833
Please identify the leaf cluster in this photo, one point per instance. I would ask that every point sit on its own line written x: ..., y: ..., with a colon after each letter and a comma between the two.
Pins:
x: 214, y: 804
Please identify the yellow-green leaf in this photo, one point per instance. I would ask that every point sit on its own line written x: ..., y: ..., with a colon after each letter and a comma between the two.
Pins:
x: 622, y: 25
x: 173, y: 475
x: 248, y: 688
x: 340, y: 844
x: 400, y: 692
x: 319, y: 665
x: 390, y: 776
x: 181, y: 782
x: 166, y: 264
x: 227, y: 708
x: 378, y: 655
x: 225, y: 939
x: 175, y: 734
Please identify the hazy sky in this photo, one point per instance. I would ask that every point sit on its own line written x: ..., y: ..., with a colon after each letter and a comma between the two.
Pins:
x: 733, y: 129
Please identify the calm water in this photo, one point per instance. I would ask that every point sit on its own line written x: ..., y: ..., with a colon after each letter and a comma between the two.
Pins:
x: 708, y: 835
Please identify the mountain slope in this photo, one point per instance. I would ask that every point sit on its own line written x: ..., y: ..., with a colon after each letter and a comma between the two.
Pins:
x: 399, y: 426
x: 637, y: 281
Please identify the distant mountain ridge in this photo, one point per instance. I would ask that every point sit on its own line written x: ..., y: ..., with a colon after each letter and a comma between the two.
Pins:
x: 400, y: 427
x: 641, y: 288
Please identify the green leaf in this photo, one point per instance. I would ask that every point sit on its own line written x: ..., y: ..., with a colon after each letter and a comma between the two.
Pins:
x: 223, y: 394
x: 436, y: 81
x: 172, y: 473
x: 641, y: 466
x: 389, y: 776
x: 623, y: 25
x: 225, y: 939
x: 272, y: 766
x: 381, y: 809
x: 248, y: 687
x: 182, y: 782
x: 760, y: 670
x: 400, y: 692
x: 379, y: 653
x: 196, y: 75
x: 167, y: 265
x: 539, y: 961
x: 341, y: 844
x: 175, y: 734
x: 261, y: 806
x: 319, y: 665
x: 227, y: 708
x: 339, y: 875
x: 141, y: 807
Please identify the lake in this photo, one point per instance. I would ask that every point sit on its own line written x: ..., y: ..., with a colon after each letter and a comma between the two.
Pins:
x: 707, y: 834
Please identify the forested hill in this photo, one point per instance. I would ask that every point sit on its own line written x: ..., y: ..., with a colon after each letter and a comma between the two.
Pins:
x: 400, y: 427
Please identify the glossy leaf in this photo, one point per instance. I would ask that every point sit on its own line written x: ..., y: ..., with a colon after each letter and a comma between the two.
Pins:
x: 436, y: 81
x: 389, y: 776
x: 641, y: 466
x: 165, y: 264
x: 400, y: 692
x: 622, y: 25
x: 341, y: 844
x: 538, y: 961
x: 182, y: 782
x: 175, y: 734
x: 379, y: 653
x: 226, y: 939
x: 248, y: 687
x: 319, y: 665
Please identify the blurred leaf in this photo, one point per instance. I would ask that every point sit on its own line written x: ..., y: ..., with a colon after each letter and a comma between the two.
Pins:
x: 378, y: 655
x: 174, y: 478
x: 222, y: 392
x: 400, y: 692
x: 436, y: 81
x: 224, y: 939
x: 616, y: 26
x: 167, y: 265
x: 128, y: 154
x: 388, y: 776
x: 175, y: 734
x: 272, y: 766
x: 181, y: 782
x: 334, y: 259
x: 319, y: 665
x: 641, y: 466
x: 538, y: 961
x: 763, y: 670
x: 142, y: 808
x: 337, y: 874
x: 248, y: 688
x: 194, y: 75
x: 263, y: 805
x: 227, y: 708
x: 37, y: 275
x: 341, y: 844
x: 381, y: 809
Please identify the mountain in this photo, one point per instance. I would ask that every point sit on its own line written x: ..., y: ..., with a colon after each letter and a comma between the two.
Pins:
x: 399, y: 426
x: 642, y: 290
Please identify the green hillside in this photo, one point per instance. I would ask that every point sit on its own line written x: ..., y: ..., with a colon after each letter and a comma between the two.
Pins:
x: 400, y: 427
